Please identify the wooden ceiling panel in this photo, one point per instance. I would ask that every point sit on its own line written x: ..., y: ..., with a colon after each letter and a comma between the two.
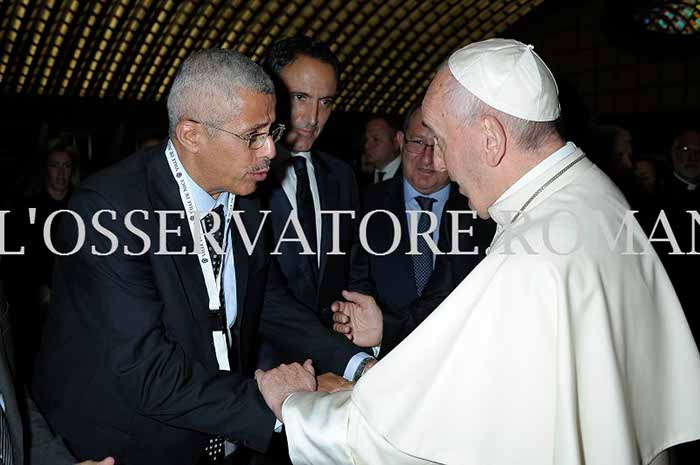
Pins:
x: 131, y: 49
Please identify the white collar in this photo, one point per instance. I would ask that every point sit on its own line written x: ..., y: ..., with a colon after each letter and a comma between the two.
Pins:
x: 539, y: 168
x: 690, y: 185
x: 391, y: 168
x: 306, y: 155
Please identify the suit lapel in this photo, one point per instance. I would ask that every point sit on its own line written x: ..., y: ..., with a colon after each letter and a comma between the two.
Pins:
x: 281, y: 209
x: 241, y: 258
x: 396, y: 204
x: 328, y: 195
x: 164, y: 195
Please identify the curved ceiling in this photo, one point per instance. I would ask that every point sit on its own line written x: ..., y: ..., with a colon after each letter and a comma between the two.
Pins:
x: 130, y: 50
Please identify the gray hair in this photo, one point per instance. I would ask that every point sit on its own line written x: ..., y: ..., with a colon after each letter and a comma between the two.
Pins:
x: 206, y: 87
x: 529, y: 135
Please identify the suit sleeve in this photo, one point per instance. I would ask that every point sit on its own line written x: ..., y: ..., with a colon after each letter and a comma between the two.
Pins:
x: 450, y: 270
x: 398, y: 325
x: 45, y: 448
x: 120, y: 306
x: 296, y: 331
x: 360, y: 264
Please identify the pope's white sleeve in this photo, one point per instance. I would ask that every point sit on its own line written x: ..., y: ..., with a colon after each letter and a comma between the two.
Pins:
x: 317, y: 427
x: 329, y: 429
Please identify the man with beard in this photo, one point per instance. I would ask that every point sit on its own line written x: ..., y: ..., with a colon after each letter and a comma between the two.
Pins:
x: 149, y: 347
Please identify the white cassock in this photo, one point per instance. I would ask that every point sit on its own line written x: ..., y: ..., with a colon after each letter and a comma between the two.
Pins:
x: 536, y: 358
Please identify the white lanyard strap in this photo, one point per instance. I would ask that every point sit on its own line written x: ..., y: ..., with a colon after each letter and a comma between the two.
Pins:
x: 213, y: 283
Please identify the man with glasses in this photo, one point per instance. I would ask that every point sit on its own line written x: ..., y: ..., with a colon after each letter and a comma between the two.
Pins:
x: 404, y: 284
x: 148, y: 353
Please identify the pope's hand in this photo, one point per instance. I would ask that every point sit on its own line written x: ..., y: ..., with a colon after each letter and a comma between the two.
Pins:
x: 277, y: 384
x: 330, y: 382
x: 359, y: 319
x: 107, y: 461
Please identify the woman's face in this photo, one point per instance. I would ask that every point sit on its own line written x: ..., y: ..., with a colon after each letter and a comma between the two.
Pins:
x: 60, y: 169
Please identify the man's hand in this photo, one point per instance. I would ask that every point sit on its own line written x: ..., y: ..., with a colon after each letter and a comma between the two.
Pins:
x: 359, y: 319
x: 330, y: 382
x: 277, y: 384
x: 107, y: 461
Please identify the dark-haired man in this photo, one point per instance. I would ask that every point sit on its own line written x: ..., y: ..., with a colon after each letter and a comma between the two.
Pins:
x: 305, y: 181
x: 383, y: 147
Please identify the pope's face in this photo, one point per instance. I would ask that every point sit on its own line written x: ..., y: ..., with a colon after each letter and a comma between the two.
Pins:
x: 418, y: 160
x: 311, y: 85
x: 455, y: 145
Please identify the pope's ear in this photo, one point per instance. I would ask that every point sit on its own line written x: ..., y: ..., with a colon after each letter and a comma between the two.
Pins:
x: 494, y: 140
x: 188, y: 135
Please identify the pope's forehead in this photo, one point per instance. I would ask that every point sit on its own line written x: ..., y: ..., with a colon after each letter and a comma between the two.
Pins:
x: 433, y: 101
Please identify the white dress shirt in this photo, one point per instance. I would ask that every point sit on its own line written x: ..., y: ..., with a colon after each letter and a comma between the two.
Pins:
x: 289, y: 185
x: 389, y: 170
x: 288, y: 179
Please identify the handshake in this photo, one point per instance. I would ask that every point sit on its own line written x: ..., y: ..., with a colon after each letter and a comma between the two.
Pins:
x: 359, y: 319
x: 279, y: 383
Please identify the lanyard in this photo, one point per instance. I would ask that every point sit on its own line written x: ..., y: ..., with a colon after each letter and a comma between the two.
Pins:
x: 213, y: 283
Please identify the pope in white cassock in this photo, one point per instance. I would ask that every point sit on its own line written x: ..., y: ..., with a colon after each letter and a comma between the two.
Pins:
x: 567, y: 345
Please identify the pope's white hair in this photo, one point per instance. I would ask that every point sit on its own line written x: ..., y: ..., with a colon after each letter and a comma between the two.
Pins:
x: 529, y: 135
x: 206, y: 87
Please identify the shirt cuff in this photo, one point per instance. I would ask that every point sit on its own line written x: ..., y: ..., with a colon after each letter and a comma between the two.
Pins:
x: 353, y: 364
x: 278, y: 426
x: 375, y: 351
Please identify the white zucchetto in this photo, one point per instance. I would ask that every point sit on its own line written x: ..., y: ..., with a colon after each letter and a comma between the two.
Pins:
x: 508, y: 76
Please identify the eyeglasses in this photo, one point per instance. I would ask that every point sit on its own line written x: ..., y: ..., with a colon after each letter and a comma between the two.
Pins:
x: 417, y: 146
x: 255, y: 141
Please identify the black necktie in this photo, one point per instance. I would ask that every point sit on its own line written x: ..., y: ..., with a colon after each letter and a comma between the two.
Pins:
x: 380, y: 176
x: 305, y: 208
x: 6, y: 457
x: 214, y: 449
x: 423, y: 263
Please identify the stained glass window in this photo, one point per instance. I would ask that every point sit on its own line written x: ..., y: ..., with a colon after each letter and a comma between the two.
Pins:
x: 675, y: 17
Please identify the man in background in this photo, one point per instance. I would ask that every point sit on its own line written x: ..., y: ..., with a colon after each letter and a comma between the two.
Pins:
x: 382, y: 147
x: 397, y: 280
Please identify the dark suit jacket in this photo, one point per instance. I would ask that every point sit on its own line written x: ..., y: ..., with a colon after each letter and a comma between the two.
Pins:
x: 337, y: 191
x: 127, y: 366
x: 31, y: 437
x: 390, y: 279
